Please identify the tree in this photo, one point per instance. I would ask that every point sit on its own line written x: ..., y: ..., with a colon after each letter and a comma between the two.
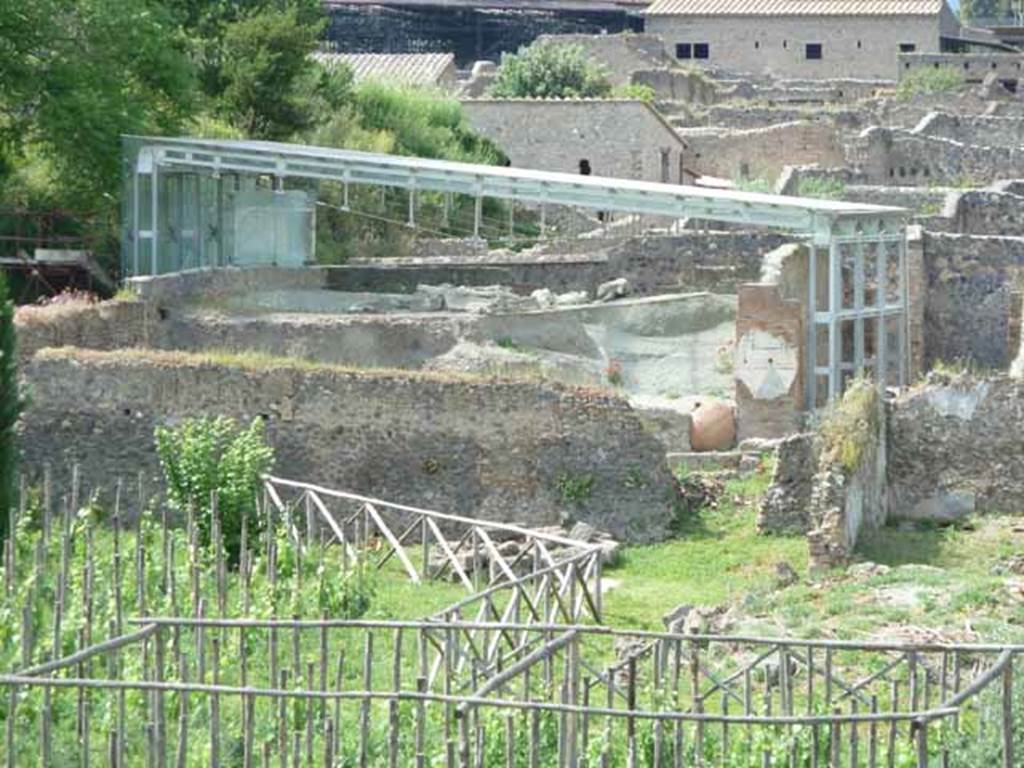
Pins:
x: 550, y: 71
x: 86, y: 72
x: 271, y: 88
x: 11, y: 404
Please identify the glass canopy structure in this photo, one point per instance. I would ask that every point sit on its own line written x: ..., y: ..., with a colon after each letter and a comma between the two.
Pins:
x: 193, y: 203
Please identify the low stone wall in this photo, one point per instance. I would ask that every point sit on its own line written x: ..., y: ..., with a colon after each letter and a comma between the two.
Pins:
x: 498, y: 450
x: 973, y: 129
x: 846, y: 501
x: 972, y: 305
x: 755, y: 115
x: 955, y: 447
x: 558, y: 272
x: 690, y: 261
x: 785, y: 506
x: 367, y: 341
x: 102, y: 325
x: 831, y: 485
x: 203, y: 285
x: 763, y: 152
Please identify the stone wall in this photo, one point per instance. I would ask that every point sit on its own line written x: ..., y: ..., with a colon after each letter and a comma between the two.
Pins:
x: 103, y: 325
x: 614, y: 137
x: 972, y: 304
x: 973, y: 129
x: 755, y: 115
x: 785, y: 507
x: 852, y: 46
x: 955, y: 447
x: 653, y: 264
x: 846, y: 501
x: 675, y: 85
x: 974, y: 66
x: 987, y: 212
x: 908, y: 158
x: 763, y: 152
x: 523, y: 274
x: 497, y: 450
x: 212, y: 284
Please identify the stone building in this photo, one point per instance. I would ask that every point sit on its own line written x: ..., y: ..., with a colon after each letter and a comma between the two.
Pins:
x: 624, y: 138
x: 803, y: 38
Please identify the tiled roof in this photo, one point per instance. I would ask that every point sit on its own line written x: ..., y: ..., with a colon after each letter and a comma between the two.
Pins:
x: 795, y: 8
x: 397, y: 68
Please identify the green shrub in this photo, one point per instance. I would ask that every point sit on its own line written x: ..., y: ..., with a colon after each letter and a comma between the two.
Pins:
x: 930, y: 80
x: 204, y: 456
x: 11, y: 404
x: 763, y: 186
x: 637, y: 91
x: 550, y: 71
x: 824, y: 187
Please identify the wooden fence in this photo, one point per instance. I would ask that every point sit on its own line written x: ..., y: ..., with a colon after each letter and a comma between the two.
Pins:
x: 520, y: 672
x: 566, y: 695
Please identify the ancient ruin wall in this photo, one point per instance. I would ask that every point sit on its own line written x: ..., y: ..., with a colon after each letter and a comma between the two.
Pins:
x: 972, y: 304
x: 763, y: 152
x: 514, y: 451
x: 909, y: 158
x: 955, y: 446
x: 690, y: 261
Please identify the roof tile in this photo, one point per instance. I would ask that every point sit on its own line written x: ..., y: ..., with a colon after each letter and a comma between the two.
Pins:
x: 795, y: 8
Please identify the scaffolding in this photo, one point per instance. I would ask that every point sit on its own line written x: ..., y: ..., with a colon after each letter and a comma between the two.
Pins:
x: 193, y: 203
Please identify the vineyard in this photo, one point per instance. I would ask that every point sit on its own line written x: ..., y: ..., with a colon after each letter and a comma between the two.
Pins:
x: 136, y: 644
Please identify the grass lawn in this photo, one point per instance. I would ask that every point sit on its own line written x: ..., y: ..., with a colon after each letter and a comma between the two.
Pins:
x: 719, y: 557
x: 936, y: 584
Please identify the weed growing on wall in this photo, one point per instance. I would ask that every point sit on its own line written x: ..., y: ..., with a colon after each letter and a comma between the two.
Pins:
x: 930, y: 80
x: 849, y: 426
x: 575, y: 489
x: 208, y: 457
x: 823, y: 187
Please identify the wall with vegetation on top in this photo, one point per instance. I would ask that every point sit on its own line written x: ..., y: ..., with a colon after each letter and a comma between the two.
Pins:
x: 516, y: 451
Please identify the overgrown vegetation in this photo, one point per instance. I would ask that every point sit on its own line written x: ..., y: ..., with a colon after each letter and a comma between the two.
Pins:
x: 763, y: 186
x: 575, y: 488
x: 11, y: 404
x: 929, y: 80
x: 78, y: 75
x: 850, y: 425
x: 550, y: 71
x: 824, y: 187
x: 210, y: 461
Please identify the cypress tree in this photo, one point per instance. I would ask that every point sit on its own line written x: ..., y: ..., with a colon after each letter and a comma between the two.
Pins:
x: 11, y: 405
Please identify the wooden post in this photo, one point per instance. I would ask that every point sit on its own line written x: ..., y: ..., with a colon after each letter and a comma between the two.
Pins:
x: 1008, y: 714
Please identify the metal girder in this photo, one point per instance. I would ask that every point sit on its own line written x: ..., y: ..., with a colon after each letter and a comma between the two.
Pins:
x: 813, y: 217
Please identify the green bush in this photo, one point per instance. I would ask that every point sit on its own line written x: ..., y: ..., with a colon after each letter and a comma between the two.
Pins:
x: 931, y: 80
x: 550, y: 71
x: 824, y: 187
x: 204, y: 456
